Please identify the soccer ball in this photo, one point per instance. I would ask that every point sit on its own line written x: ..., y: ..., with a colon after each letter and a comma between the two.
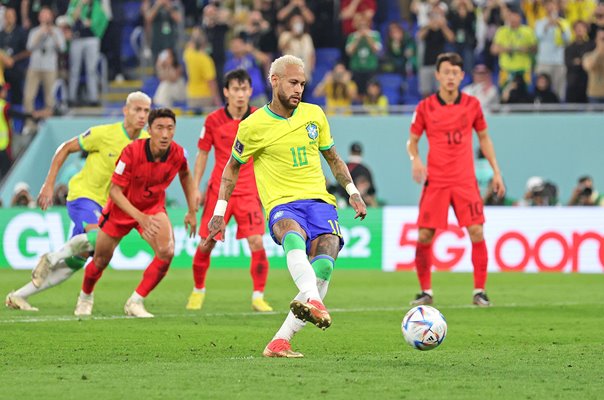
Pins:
x: 424, y: 327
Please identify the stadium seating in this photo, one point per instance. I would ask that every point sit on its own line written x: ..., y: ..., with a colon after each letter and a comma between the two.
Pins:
x: 392, y: 85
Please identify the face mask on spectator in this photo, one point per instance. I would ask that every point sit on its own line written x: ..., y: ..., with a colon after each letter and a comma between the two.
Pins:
x: 298, y: 27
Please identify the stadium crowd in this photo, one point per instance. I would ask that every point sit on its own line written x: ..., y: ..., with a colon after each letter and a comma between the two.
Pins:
x: 365, y: 53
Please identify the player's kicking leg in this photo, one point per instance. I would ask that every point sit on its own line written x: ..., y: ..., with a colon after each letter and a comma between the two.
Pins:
x: 79, y: 244
x: 163, y: 246
x: 85, y: 215
x: 64, y: 269
x: 323, y: 251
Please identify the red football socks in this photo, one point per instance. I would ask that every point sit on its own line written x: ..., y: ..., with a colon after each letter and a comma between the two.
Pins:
x: 259, y: 269
x: 91, y: 276
x: 423, y: 265
x: 201, y: 264
x: 154, y: 273
x: 480, y: 260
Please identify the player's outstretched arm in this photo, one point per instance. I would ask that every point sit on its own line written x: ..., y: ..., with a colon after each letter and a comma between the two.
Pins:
x: 342, y: 175
x: 230, y: 174
x: 200, y: 167
x: 418, y: 169
x: 48, y: 187
x: 186, y: 181
x: 487, y: 148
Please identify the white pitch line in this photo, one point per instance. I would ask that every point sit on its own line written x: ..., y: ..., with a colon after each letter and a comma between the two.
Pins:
x: 402, y: 310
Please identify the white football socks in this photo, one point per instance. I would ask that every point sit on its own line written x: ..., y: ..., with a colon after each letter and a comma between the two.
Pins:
x: 61, y: 272
x: 74, y: 246
x: 257, y: 295
x: 303, y: 274
x: 293, y: 325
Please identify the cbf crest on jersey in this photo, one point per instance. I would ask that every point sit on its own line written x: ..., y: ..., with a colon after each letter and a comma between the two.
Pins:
x: 313, y: 130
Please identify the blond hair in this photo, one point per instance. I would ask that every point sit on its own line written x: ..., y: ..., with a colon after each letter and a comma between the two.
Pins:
x: 137, y: 96
x: 278, y: 66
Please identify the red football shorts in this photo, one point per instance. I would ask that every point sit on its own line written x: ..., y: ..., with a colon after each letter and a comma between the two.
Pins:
x: 120, y: 227
x: 246, y: 209
x: 435, y: 201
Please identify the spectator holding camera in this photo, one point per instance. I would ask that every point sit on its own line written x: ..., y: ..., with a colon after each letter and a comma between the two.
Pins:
x: 164, y: 18
x: 515, y: 44
x: 363, y: 46
x: 585, y: 194
x: 462, y: 21
x: 339, y: 90
x: 554, y: 34
x: 576, y: 77
x: 46, y: 42
x: 434, y: 36
x: 297, y: 42
x: 593, y: 63
x: 296, y: 7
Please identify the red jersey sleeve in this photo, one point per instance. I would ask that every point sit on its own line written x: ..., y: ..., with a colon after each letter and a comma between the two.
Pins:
x: 418, y: 121
x: 123, y: 169
x: 206, y: 137
x: 184, y: 165
x: 480, y: 124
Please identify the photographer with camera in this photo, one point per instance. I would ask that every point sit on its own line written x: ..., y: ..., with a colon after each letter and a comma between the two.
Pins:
x: 584, y: 193
x: 22, y: 196
x: 339, y: 90
x: 540, y: 192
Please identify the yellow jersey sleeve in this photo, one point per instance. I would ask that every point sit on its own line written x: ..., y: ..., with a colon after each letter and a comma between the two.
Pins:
x: 91, y: 140
x: 325, y: 139
x: 245, y: 144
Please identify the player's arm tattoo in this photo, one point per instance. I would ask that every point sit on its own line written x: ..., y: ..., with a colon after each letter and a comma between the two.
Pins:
x: 338, y: 166
x: 229, y: 179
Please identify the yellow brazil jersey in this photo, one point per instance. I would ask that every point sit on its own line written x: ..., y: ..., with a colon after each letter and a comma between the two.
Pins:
x: 104, y: 144
x: 286, y: 153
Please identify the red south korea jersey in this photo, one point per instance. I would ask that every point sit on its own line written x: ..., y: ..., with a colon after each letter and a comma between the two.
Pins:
x: 219, y: 131
x: 143, y: 180
x: 448, y: 128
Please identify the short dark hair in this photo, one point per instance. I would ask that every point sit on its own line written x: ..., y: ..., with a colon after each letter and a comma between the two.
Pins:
x: 161, y: 113
x: 240, y: 75
x: 453, y: 58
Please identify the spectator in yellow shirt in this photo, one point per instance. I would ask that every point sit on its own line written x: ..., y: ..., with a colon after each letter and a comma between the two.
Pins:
x: 339, y: 90
x: 515, y: 44
x: 374, y: 101
x: 579, y: 10
x: 201, y: 85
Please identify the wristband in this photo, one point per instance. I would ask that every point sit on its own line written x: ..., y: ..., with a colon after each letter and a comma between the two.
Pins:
x: 352, y: 189
x: 220, y: 209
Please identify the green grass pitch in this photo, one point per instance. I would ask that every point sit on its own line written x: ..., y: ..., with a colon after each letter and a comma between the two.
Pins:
x: 543, y: 339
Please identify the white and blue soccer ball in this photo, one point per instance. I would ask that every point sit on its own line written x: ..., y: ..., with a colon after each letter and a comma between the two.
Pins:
x: 424, y: 327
